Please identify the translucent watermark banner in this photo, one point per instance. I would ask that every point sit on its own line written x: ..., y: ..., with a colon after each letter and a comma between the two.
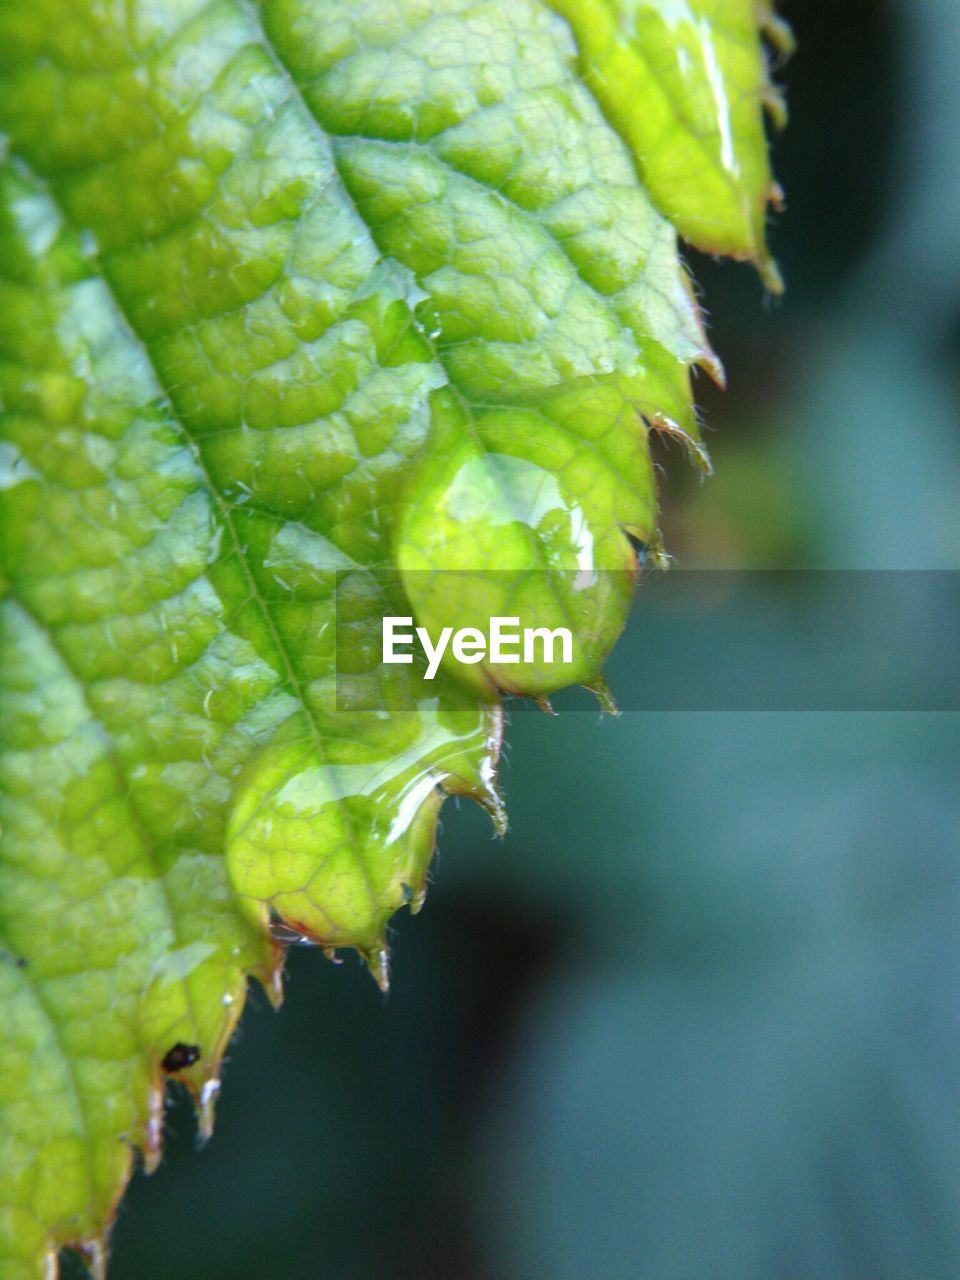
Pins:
x: 689, y: 640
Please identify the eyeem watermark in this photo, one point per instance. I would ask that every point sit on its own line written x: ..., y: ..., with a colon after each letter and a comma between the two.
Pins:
x: 505, y: 642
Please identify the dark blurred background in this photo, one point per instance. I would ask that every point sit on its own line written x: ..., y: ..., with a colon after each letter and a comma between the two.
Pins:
x: 698, y: 1016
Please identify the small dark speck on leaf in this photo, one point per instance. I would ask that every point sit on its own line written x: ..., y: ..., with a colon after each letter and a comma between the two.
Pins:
x: 21, y: 962
x: 180, y: 1056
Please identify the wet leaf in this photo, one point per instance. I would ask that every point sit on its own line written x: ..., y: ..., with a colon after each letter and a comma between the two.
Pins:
x: 307, y: 311
x: 686, y: 83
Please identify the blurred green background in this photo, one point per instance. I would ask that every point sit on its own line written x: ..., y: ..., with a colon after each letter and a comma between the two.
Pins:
x: 698, y: 1016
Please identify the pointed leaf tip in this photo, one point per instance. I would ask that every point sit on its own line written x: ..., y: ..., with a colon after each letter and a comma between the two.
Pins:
x: 601, y: 691
x: 206, y: 1109
x: 377, y: 960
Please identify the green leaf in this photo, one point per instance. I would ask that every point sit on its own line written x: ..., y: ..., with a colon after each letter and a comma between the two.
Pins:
x: 307, y: 311
x: 685, y: 82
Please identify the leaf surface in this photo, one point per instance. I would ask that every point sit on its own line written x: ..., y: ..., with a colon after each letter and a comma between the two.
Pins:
x: 686, y: 83
x: 308, y: 310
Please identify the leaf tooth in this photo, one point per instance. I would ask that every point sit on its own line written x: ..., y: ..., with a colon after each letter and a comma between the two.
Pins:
x: 500, y: 820
x: 601, y: 690
x: 770, y: 274
x: 774, y: 103
x: 712, y: 365
x: 777, y: 197
x: 697, y: 450
x: 706, y: 358
x: 658, y: 557
x: 206, y: 1108
x: 765, y: 262
x: 776, y: 30
x: 491, y: 801
x: 153, y: 1149
x: 377, y: 960
x: 271, y: 976
x: 415, y: 898
x: 482, y: 788
x: 94, y: 1254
